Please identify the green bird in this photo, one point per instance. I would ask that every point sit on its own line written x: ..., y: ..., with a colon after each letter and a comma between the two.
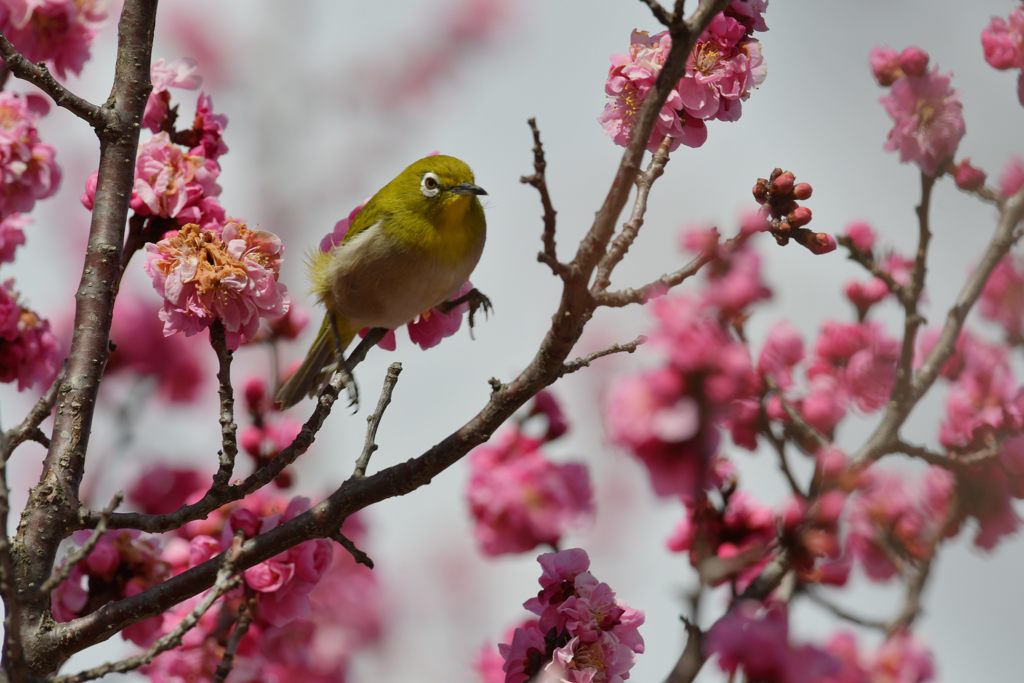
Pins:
x: 408, y: 250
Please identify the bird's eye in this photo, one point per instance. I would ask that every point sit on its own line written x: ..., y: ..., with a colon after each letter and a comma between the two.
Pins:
x: 430, y: 185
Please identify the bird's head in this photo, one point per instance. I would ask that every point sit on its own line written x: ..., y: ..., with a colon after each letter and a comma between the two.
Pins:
x: 437, y: 185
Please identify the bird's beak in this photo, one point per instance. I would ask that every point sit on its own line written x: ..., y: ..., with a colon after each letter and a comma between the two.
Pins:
x: 468, y: 188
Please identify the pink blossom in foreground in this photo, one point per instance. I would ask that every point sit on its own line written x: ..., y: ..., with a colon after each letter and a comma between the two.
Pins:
x: 928, y: 120
x: 29, y: 352
x: 181, y: 73
x: 519, y: 499
x: 142, y: 350
x: 1003, y: 43
x: 171, y: 183
x: 582, y: 635
x: 28, y: 169
x: 12, y: 235
x: 1012, y: 177
x: 209, y: 127
x: 204, y: 277
x: 429, y: 327
x: 59, y: 32
x: 861, y: 358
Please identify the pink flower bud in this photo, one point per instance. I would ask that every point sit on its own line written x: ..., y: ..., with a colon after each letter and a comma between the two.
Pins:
x: 760, y: 191
x: 799, y: 217
x: 802, y: 191
x: 246, y: 521
x: 968, y: 177
x: 255, y: 394
x: 885, y: 65
x: 821, y: 243
x: 251, y: 440
x: 782, y: 185
x: 861, y: 235
x: 914, y: 61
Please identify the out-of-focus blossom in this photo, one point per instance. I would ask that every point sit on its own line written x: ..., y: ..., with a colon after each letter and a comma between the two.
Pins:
x: 1002, y: 299
x: 28, y: 168
x: 582, y: 634
x: 29, y: 351
x: 1012, y: 177
x: 161, y: 489
x: 181, y: 73
x: 58, y: 32
x: 810, y: 532
x: 519, y: 499
x: 142, y: 349
x: 547, y: 406
x: 861, y: 358
x: 171, y: 183
x: 928, y: 120
x: 12, y: 235
x: 1003, y: 43
x: 231, y: 277
x: 428, y: 328
x: 901, y: 658
x: 968, y: 177
x: 890, y: 520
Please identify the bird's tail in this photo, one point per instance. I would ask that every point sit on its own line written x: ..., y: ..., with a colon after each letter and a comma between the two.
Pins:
x: 308, y: 379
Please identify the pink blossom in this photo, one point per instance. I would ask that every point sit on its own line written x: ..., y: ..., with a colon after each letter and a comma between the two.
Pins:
x: 28, y: 169
x: 861, y: 235
x: 210, y: 129
x: 968, y: 177
x: 902, y: 658
x: 519, y: 499
x: 885, y: 65
x: 734, y: 282
x: 1002, y: 299
x: 928, y: 120
x: 59, y: 32
x: 783, y: 349
x: 142, y: 350
x: 914, y: 61
x: 204, y: 277
x: 1003, y: 43
x: 749, y: 12
x: 861, y: 358
x: 29, y: 351
x: 546, y: 405
x: 523, y: 653
x: 171, y: 183
x: 161, y: 489
x: 12, y: 235
x: 1012, y: 177
x: 181, y: 73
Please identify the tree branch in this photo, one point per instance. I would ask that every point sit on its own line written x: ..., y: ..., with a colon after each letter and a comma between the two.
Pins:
x: 38, y: 75
x: 228, y: 428
x: 78, y: 554
x: 25, y: 430
x: 624, y: 240
x: 373, y: 420
x: 585, y: 361
x: 640, y: 295
x: 538, y: 180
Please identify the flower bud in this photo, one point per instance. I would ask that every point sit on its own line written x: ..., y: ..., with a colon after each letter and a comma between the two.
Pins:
x: 820, y: 243
x: 968, y: 177
x: 914, y: 61
x: 782, y: 185
x: 251, y: 440
x: 802, y: 191
x: 799, y: 217
x: 255, y: 392
x: 761, y: 190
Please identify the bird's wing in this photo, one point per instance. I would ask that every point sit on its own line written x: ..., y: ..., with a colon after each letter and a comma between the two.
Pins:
x: 369, y: 216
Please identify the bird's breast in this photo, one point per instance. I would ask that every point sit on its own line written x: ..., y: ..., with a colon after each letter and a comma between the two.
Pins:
x: 378, y: 281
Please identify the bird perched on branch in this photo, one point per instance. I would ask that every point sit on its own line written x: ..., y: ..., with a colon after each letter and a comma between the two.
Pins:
x: 410, y: 249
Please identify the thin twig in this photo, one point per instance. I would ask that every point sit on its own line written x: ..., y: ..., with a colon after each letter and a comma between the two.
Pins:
x: 358, y: 555
x: 843, y: 613
x: 62, y: 571
x: 37, y: 74
x: 228, y: 429
x: 867, y: 261
x: 659, y: 12
x: 26, y: 429
x: 226, y: 580
x: 780, y: 450
x: 227, y: 661
x: 373, y: 420
x: 585, y: 361
x: 631, y: 228
x: 639, y: 295
x: 538, y: 180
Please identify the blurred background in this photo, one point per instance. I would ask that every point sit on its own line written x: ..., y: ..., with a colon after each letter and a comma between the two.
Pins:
x: 328, y: 100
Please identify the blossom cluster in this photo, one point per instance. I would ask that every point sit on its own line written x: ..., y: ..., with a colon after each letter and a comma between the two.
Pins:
x: 580, y: 632
x: 425, y: 330
x: 311, y: 607
x: 58, y: 32
x: 269, y: 431
x: 29, y: 353
x: 927, y: 114
x: 778, y: 195
x: 756, y: 641
x: 518, y: 499
x: 1003, y: 43
x: 724, y: 66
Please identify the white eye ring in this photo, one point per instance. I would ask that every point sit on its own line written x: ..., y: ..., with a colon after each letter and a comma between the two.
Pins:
x: 430, y: 185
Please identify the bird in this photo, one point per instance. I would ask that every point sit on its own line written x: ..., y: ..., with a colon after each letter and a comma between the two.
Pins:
x: 409, y: 249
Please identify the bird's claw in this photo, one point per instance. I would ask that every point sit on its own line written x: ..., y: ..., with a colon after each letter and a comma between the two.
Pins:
x: 476, y: 301
x: 348, y: 381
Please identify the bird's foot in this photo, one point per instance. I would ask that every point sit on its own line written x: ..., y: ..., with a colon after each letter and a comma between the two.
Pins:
x: 348, y: 381
x: 476, y: 299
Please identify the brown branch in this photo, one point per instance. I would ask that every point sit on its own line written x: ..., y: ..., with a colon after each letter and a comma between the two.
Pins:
x: 227, y: 661
x: 659, y: 12
x: 358, y: 555
x: 53, y: 504
x: 843, y: 613
x: 585, y: 361
x: 12, y: 648
x: 216, y: 497
x: 226, y: 580
x: 37, y: 74
x: 26, y: 429
x: 631, y: 229
x: 575, y: 308
x: 373, y: 420
x: 639, y: 295
x: 78, y: 554
x: 538, y: 180
x: 885, y: 432
x: 228, y: 429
